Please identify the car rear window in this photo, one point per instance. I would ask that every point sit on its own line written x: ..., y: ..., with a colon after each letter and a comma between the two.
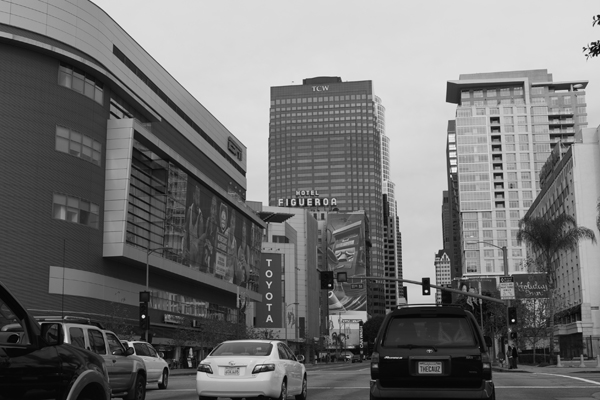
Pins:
x: 427, y: 331
x: 243, y: 349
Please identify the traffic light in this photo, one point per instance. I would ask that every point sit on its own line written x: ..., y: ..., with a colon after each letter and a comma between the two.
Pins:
x: 426, y: 286
x: 144, y: 317
x: 512, y: 315
x: 327, y: 280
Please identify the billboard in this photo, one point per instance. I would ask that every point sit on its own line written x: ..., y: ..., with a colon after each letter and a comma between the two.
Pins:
x: 269, y: 312
x: 345, y: 247
x: 219, y: 240
x: 530, y: 286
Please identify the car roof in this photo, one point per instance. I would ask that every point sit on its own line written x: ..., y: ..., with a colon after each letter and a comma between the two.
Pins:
x: 430, y: 310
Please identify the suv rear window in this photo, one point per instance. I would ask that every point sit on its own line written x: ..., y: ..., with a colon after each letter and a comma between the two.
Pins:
x: 423, y: 331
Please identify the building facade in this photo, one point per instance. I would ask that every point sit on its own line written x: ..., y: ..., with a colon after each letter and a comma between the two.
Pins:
x: 506, y: 124
x: 325, y: 154
x: 571, y: 186
x: 121, y: 182
x: 442, y: 273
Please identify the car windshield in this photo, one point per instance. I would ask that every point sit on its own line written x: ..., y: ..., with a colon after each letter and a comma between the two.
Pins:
x: 242, y: 349
x: 439, y: 332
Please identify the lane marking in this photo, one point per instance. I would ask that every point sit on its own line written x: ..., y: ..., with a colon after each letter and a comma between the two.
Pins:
x: 571, y: 377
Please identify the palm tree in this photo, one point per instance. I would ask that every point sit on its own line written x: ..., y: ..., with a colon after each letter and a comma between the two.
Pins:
x: 547, y: 238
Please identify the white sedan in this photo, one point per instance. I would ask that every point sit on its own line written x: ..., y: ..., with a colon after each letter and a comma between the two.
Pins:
x: 251, y: 368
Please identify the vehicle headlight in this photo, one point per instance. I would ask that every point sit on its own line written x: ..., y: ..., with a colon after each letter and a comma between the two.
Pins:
x: 263, y: 368
x: 205, y: 368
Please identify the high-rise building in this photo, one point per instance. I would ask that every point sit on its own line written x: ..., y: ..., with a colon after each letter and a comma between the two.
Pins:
x: 506, y: 123
x: 325, y: 153
x: 442, y: 273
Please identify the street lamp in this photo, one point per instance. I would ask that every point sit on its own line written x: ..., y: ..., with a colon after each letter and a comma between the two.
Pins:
x: 285, y: 318
x: 148, y: 252
x: 505, y: 260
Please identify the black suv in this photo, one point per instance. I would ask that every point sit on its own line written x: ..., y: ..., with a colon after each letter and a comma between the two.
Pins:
x: 36, y: 363
x: 431, y: 352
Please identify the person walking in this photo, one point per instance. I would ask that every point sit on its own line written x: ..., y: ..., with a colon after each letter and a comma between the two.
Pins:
x: 515, y: 356
x: 509, y: 357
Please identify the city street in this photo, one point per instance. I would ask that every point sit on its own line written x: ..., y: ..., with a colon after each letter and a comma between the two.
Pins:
x: 351, y: 382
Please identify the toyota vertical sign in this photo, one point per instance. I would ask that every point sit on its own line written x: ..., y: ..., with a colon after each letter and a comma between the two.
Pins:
x: 269, y: 312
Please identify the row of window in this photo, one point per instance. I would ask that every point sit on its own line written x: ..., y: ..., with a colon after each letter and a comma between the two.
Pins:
x: 516, y: 91
x: 350, y: 107
x: 76, y: 210
x: 78, y: 145
x: 321, y: 99
x: 79, y: 81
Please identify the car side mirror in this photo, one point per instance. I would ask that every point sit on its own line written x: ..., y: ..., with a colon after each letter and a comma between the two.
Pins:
x: 161, y: 354
x: 52, y: 334
x: 129, y: 351
x: 300, y: 358
x: 488, y: 341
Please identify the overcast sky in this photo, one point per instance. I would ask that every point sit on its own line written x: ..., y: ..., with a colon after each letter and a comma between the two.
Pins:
x: 228, y: 54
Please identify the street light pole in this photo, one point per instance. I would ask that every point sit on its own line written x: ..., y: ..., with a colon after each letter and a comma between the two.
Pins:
x: 505, y: 267
x: 148, y: 252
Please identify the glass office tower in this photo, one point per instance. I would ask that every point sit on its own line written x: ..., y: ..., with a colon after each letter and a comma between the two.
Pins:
x: 506, y: 125
x: 325, y: 142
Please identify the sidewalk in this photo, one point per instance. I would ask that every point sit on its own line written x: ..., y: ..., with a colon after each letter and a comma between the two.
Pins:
x: 568, y: 367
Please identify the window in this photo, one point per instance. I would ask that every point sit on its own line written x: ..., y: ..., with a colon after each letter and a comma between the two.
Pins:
x: 73, y: 209
x: 79, y: 81
x: 97, y: 344
x: 78, y: 145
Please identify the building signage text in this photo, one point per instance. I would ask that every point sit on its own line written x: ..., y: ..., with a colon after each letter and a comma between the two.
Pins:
x: 320, y: 88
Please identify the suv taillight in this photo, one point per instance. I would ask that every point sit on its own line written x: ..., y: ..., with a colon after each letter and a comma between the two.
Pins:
x: 374, y: 365
x: 486, y: 366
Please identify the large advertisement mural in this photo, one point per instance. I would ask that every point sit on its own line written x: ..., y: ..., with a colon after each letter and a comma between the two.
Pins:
x: 345, y: 247
x: 269, y: 312
x: 218, y: 240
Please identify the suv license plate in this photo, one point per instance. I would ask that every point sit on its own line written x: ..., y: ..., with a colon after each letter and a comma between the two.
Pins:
x: 232, y: 370
x: 430, y: 368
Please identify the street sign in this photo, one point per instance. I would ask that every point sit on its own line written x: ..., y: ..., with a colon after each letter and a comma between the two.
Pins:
x: 507, y: 288
x: 356, y: 286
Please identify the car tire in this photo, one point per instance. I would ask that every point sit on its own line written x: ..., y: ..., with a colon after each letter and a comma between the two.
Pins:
x: 139, y: 389
x: 283, y: 393
x: 304, y: 394
x: 164, y: 382
x: 206, y: 398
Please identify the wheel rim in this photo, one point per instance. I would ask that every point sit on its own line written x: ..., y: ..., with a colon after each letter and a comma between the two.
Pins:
x: 304, y: 388
x: 283, y: 390
x: 165, y: 379
x: 141, y: 386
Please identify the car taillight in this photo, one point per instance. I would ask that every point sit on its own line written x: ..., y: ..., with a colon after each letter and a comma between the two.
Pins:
x: 205, y: 368
x: 263, y: 368
x: 486, y: 366
x: 374, y: 365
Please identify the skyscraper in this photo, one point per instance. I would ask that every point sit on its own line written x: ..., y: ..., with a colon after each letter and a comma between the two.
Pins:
x: 506, y: 124
x: 325, y: 151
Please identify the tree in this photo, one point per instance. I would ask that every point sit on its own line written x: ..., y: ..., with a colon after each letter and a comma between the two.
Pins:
x: 371, y: 328
x: 547, y: 238
x: 593, y: 49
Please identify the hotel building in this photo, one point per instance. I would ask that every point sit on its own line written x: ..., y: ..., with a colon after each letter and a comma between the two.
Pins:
x: 571, y: 186
x: 506, y: 124
x: 325, y: 154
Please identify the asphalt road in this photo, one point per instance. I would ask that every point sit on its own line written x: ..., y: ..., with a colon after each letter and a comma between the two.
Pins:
x: 351, y: 382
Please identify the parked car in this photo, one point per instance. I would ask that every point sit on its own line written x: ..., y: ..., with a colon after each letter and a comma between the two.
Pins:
x: 126, y: 371
x: 356, y: 358
x: 431, y: 352
x: 35, y: 361
x: 157, y: 368
x: 251, y: 368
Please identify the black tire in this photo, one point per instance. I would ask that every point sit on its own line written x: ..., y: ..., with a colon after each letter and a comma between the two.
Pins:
x: 304, y: 394
x: 165, y: 380
x: 139, y: 389
x: 283, y: 393
x: 206, y: 398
